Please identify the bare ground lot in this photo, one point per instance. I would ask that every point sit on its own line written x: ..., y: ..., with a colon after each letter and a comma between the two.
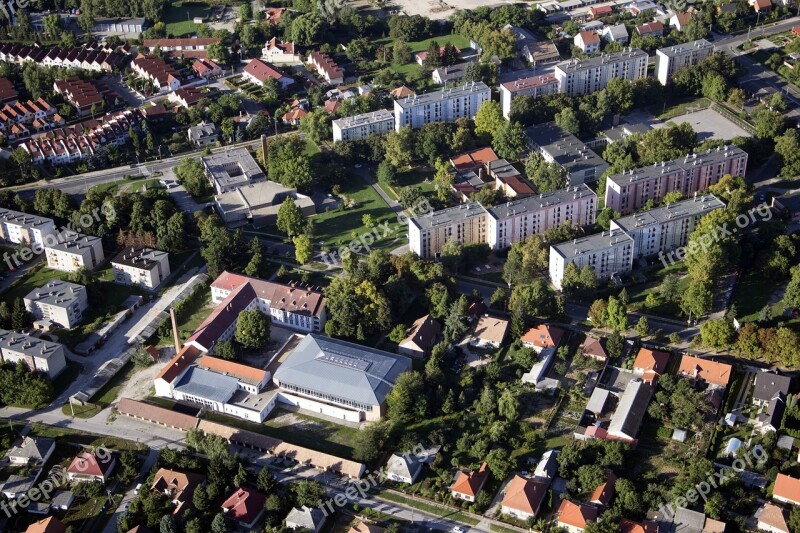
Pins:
x: 711, y: 125
x: 436, y: 9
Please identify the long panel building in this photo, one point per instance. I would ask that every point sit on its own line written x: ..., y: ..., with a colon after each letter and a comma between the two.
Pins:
x: 668, y: 227
x: 576, y: 77
x: 364, y: 125
x: 608, y: 254
x: 447, y: 105
x: 465, y: 223
x: 671, y: 59
x: 534, y: 86
x: 628, y: 191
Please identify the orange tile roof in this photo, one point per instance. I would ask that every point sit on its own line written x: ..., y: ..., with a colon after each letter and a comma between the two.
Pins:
x: 470, y: 483
x: 709, y: 371
x: 772, y: 516
x: 603, y: 493
x: 590, y: 37
x: 543, y: 336
x: 629, y: 526
x: 474, y: 159
x: 401, y: 92
x: 651, y: 360
x: 179, y: 363
x: 51, y: 524
x: 524, y: 495
x: 576, y: 514
x: 240, y: 371
x: 787, y: 487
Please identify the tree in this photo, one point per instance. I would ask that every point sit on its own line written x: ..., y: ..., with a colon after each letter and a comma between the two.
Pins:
x: 442, y: 181
x: 697, y: 299
x: 288, y: 164
x: 508, y: 405
x: 370, y: 441
x: 386, y: 173
x: 220, y: 524
x: 568, y: 119
x: 192, y: 176
x: 266, y: 481
x: 290, y: 218
x: 489, y: 118
x: 224, y: 350
x: 500, y: 463
x: 717, y: 333
x: 769, y: 124
x: 509, y: 141
x: 642, y: 327
x: 303, y: 248
x: 456, y: 322
x: 432, y: 55
x: 787, y: 146
x: 403, y: 401
x: 305, y: 29
x: 714, y: 87
x: 356, y: 308
x: 619, y: 95
x: 252, y: 329
x: 548, y: 177
x: 498, y: 298
x: 616, y: 315
x: 398, y: 146
x: 669, y: 289
x: 167, y: 524
x: 597, y: 312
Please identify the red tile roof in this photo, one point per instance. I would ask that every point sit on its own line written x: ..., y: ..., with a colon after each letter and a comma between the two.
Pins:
x: 470, y: 483
x: 576, y: 514
x: 590, y: 37
x: 51, y: 524
x: 89, y: 464
x: 179, y: 363
x: 244, y: 505
x: 602, y: 494
x: 530, y: 82
x: 262, y: 71
x: 242, y: 372
x: 788, y: 488
x: 762, y: 5
x: 772, y: 516
x: 629, y: 526
x: 474, y: 159
x: 524, y: 495
x: 709, y: 371
x: 600, y: 11
x: 651, y: 361
x: 543, y: 336
x: 650, y: 27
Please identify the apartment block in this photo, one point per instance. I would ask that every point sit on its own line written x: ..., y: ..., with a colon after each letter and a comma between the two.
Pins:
x: 143, y: 267
x: 361, y: 126
x: 36, y: 354
x: 466, y: 223
x: 629, y: 191
x: 665, y: 228
x: 671, y: 59
x: 60, y: 302
x: 519, y: 219
x: 447, y: 105
x: 576, y: 77
x: 534, y: 86
x: 608, y: 254
x: 18, y: 228
x: 557, y: 145
x: 75, y: 252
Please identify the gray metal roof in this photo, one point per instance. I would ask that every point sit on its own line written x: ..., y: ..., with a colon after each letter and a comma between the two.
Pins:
x: 698, y: 205
x: 306, y: 517
x: 596, y: 241
x: 32, y: 448
x: 680, y: 49
x: 141, y: 258
x: 19, y: 218
x: 342, y: 369
x: 75, y: 242
x: 710, y: 156
x: 448, y: 216
x: 209, y: 385
x: 25, y: 344
x: 57, y: 293
x: 18, y: 484
x: 540, y: 201
x: 597, y: 402
x: 631, y: 409
x: 444, y: 94
x: 768, y: 385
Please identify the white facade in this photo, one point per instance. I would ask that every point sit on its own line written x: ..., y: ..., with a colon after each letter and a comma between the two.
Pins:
x: 577, y: 77
x: 58, y: 301
x: 671, y: 59
x: 78, y: 251
x: 466, y: 223
x: 36, y: 354
x: 534, y: 86
x: 607, y: 254
x: 361, y: 126
x: 18, y: 228
x: 447, y: 105
x: 143, y: 267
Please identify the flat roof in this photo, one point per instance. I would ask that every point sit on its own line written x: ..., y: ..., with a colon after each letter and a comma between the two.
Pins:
x: 18, y: 218
x: 685, y: 208
x: 27, y: 345
x: 540, y: 201
x: 433, y: 96
x: 233, y: 166
x: 711, y: 156
x: 142, y: 258
x: 449, y: 215
x: 566, y: 149
x: 596, y: 241
x: 364, y: 118
x: 57, y: 293
x: 75, y: 242
x: 680, y: 49
x: 530, y: 82
x: 573, y: 65
x: 208, y: 385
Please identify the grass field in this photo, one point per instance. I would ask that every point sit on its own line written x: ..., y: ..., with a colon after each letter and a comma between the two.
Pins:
x: 421, y: 46
x: 340, y: 226
x: 678, y: 108
x: 753, y: 291
x: 105, y: 396
x: 179, y: 15
x: 429, y: 508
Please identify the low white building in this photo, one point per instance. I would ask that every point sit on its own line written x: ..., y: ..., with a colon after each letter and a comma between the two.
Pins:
x: 361, y: 126
x: 143, y: 267
x: 60, y: 302
x: 403, y: 467
x: 608, y: 254
x: 76, y: 252
x: 18, y: 228
x: 36, y: 354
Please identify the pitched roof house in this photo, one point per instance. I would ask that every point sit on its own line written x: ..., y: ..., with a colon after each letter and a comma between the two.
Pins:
x: 89, y: 466
x: 178, y: 486
x: 523, y: 498
x: 403, y: 467
x: 772, y: 518
x: 595, y: 348
x: 768, y: 385
x: 51, y: 524
x: 787, y: 489
x: 629, y: 526
x: 259, y: 72
x: 650, y: 364
x: 306, y: 519
x: 574, y: 516
x: 542, y: 336
x: 605, y: 491
x: 467, y: 485
x: 245, y: 506
x: 423, y: 334
x: 711, y: 372
x: 489, y: 331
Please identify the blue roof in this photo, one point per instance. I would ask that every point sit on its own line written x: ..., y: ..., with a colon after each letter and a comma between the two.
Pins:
x: 342, y: 369
x: 209, y: 385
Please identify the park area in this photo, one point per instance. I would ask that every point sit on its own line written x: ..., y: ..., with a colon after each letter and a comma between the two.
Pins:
x: 179, y: 17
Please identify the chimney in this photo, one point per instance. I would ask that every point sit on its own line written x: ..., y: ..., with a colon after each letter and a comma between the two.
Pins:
x: 175, y: 335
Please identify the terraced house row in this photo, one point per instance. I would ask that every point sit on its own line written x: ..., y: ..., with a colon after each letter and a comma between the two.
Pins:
x: 85, y: 58
x: 24, y: 118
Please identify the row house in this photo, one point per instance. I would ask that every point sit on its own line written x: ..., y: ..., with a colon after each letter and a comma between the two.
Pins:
x: 206, y: 69
x: 326, y: 67
x: 20, y: 119
x: 186, y: 97
x: 159, y: 72
x: 79, y: 57
x: 80, y: 93
x: 190, y: 44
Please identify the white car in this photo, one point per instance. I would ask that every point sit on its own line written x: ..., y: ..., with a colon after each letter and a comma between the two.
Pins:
x: 136, y: 490
x: 458, y: 529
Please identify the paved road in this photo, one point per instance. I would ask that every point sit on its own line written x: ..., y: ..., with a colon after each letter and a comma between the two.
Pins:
x: 147, y: 464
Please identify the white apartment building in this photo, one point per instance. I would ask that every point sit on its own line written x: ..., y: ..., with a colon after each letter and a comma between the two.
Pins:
x: 360, y: 126
x: 665, y: 228
x: 517, y: 220
x: 465, y: 223
x: 608, y: 254
x: 576, y: 77
x: 628, y: 191
x: 446, y: 105
x: 75, y: 252
x: 18, y: 228
x: 61, y: 302
x: 671, y: 59
x: 36, y: 354
x: 143, y: 267
x: 534, y: 86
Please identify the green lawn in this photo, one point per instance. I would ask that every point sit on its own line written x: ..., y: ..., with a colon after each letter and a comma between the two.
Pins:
x: 421, y: 46
x: 753, y: 291
x: 340, y: 226
x: 679, y: 107
x: 196, y: 311
x: 104, y: 397
x: 311, y: 148
x: 179, y: 15
x: 429, y: 508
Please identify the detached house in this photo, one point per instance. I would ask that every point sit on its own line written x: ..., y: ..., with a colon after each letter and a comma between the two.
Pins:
x: 523, y: 498
x: 280, y: 53
x: 787, y: 489
x: 422, y: 337
x: 178, y: 486
x: 467, y: 485
x: 650, y: 364
x: 259, y: 72
x: 769, y: 385
x: 542, y: 336
x: 245, y: 507
x: 587, y: 41
x: 574, y: 516
x: 654, y: 29
x: 91, y: 467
